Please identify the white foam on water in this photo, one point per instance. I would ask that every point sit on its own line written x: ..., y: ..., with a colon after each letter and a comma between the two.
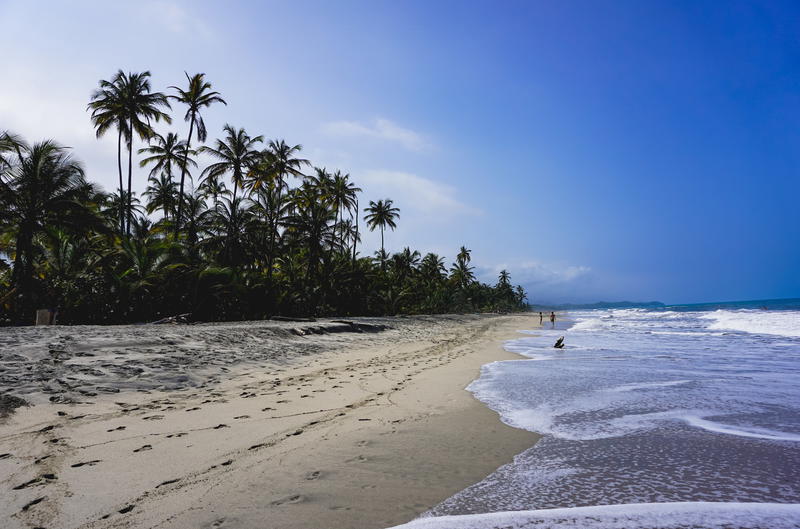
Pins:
x: 678, y: 515
x: 754, y: 433
x: 779, y: 323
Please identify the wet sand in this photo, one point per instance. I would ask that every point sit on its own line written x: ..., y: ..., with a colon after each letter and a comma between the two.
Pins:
x: 252, y: 424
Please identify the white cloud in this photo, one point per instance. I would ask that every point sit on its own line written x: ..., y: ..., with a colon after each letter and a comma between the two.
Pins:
x: 538, y: 275
x: 414, y: 193
x: 380, y: 129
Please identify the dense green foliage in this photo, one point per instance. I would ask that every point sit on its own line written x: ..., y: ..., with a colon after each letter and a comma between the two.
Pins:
x: 282, y: 239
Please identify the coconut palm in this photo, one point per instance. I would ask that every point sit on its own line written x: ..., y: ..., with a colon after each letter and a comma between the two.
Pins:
x: 343, y: 195
x: 109, y: 111
x: 198, y: 96
x: 461, y: 273
x: 161, y: 193
x: 128, y: 103
x: 10, y: 145
x: 165, y: 153
x: 142, y: 108
x: 236, y: 155
x: 44, y: 187
x: 380, y: 215
x: 284, y: 162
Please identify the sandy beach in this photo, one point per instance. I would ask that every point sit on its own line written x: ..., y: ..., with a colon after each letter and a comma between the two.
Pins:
x: 359, y: 424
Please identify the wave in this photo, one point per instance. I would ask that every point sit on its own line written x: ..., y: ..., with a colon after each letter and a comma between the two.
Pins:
x: 779, y: 323
x: 678, y: 515
x: 754, y: 433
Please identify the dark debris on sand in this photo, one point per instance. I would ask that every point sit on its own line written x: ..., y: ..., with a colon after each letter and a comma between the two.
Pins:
x: 9, y: 403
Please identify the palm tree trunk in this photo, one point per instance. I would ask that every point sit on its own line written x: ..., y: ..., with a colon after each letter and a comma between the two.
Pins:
x: 130, y: 173
x: 121, y: 184
x: 355, y: 239
x: 274, y: 232
x: 383, y: 252
x: 183, y: 175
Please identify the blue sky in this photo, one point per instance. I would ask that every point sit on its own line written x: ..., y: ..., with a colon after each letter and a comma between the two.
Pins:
x: 598, y: 150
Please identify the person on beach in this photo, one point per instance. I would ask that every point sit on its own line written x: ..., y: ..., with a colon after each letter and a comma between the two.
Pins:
x: 541, y: 317
x: 553, y: 319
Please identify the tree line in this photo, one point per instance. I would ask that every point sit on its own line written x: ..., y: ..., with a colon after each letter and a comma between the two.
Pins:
x: 263, y: 233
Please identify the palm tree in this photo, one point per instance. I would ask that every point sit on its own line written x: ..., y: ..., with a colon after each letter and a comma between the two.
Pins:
x: 166, y: 153
x: 461, y: 273
x: 128, y: 103
x: 10, y: 145
x: 44, y: 187
x: 108, y: 110
x: 198, y: 96
x: 236, y: 155
x: 432, y: 267
x: 162, y: 193
x: 381, y: 214
x: 343, y: 195
x: 284, y: 162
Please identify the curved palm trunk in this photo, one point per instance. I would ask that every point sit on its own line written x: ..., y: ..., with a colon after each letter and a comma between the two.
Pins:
x: 121, y: 184
x: 183, y: 176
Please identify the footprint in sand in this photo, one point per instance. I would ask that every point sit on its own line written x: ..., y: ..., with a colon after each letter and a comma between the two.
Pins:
x: 87, y: 463
x: 143, y: 448
x: 32, y: 503
x: 118, y: 428
x: 297, y: 498
x: 242, y: 417
x: 5, y: 456
x: 153, y: 418
x: 179, y: 434
x: 194, y: 409
x: 168, y: 482
x: 217, y: 427
x: 314, y: 475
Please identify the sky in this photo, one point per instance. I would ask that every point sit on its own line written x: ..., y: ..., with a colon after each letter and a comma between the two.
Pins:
x: 598, y: 150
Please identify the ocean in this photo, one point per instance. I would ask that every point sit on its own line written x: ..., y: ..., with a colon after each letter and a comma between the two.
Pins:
x: 683, y: 416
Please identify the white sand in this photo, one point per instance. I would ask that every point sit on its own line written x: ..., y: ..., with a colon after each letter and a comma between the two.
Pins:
x: 264, y: 429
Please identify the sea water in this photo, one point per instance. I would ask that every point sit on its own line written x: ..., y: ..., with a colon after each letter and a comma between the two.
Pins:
x: 680, y: 417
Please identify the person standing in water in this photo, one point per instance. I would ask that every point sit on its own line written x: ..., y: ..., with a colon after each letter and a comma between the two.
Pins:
x: 553, y: 319
x: 541, y: 317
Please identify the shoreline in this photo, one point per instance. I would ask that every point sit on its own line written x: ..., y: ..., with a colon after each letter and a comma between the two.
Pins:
x: 369, y: 432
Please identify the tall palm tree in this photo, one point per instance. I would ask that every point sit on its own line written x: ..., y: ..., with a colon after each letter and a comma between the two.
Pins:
x: 236, y: 155
x: 109, y: 111
x: 343, y: 194
x: 198, y: 96
x: 380, y: 215
x: 284, y: 161
x: 44, y: 187
x: 139, y: 108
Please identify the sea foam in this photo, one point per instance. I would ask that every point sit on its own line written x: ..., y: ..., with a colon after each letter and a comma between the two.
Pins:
x: 682, y: 515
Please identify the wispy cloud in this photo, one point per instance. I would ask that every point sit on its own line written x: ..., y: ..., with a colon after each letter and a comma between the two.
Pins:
x: 380, y: 128
x: 537, y: 274
x: 416, y: 193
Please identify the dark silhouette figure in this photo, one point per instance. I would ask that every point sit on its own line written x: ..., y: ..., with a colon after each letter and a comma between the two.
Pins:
x: 553, y: 319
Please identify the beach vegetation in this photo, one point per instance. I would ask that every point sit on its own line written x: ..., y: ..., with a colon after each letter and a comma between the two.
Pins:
x: 263, y: 233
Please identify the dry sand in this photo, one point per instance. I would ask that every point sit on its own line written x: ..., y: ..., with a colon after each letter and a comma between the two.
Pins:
x: 248, y: 425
